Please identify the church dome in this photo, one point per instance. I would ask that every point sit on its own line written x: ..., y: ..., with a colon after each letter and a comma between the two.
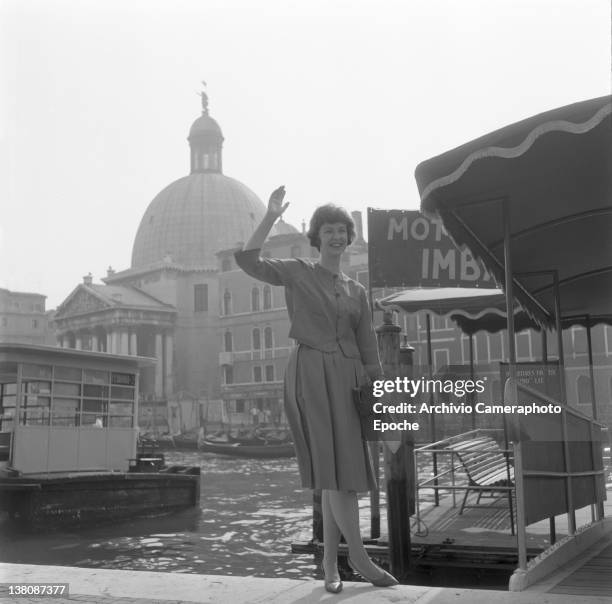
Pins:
x: 195, y: 217
x: 198, y: 215
x: 283, y: 228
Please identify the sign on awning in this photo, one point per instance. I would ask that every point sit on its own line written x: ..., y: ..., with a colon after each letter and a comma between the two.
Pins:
x: 407, y: 249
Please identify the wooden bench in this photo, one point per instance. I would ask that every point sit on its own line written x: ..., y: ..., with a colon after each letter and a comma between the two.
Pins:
x: 486, y: 467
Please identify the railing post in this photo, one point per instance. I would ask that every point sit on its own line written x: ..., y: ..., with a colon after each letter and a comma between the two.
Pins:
x: 399, y: 465
x: 317, y: 517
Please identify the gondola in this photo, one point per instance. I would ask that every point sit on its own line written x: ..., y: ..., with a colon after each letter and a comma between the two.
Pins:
x: 258, y: 446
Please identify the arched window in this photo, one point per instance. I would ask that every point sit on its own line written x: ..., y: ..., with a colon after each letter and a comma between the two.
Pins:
x: 583, y: 385
x: 227, y: 302
x: 255, y: 298
x: 229, y: 341
x: 267, y: 297
x: 268, y: 337
x: 256, y: 339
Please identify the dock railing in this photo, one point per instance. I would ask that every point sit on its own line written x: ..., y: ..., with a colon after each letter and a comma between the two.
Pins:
x: 558, y: 464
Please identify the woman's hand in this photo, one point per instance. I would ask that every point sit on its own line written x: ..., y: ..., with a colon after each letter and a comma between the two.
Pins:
x: 275, y: 205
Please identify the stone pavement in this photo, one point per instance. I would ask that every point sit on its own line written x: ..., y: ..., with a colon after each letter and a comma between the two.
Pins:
x: 102, y: 586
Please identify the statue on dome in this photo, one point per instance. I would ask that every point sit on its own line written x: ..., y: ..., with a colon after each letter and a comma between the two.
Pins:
x: 204, y: 98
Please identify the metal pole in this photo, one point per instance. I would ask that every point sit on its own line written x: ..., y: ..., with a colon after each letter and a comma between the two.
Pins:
x: 571, y: 513
x: 373, y: 446
x: 508, y: 288
x: 591, y: 373
x: 559, y: 329
x: 472, y: 378
x: 552, y: 528
x: 432, y: 418
x: 520, y: 507
x: 518, y: 460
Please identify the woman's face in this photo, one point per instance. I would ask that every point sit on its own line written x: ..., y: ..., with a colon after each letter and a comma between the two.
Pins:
x: 333, y: 237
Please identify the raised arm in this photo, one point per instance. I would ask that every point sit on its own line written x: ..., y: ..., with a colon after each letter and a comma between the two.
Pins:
x: 270, y: 270
x: 275, y: 210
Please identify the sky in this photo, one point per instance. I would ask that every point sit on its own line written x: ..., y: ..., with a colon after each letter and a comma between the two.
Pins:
x: 338, y: 100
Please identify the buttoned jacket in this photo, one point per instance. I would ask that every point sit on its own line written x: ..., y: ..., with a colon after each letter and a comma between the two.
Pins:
x: 328, y: 311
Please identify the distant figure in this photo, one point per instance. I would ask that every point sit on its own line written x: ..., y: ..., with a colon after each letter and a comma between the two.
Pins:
x: 337, y: 351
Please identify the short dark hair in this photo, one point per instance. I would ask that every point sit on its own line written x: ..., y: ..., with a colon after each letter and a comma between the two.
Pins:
x: 329, y: 213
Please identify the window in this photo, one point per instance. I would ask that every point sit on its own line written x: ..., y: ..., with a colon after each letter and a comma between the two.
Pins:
x: 268, y: 337
x: 255, y: 298
x: 226, y: 265
x: 8, y: 403
x: 583, y: 384
x: 228, y: 341
x: 579, y: 341
x: 200, y: 297
x: 441, y: 358
x: 257, y: 374
x: 228, y: 374
x: 496, y: 397
x: 227, y: 302
x: 523, y: 345
x: 439, y: 323
x: 269, y: 373
x: 496, y: 347
x: 267, y: 297
x: 256, y: 339
x: 240, y: 405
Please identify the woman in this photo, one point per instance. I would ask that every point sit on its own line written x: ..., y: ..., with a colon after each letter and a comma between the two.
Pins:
x: 337, y: 351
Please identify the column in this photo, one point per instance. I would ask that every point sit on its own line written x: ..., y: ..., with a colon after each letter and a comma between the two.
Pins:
x: 159, y: 366
x: 60, y: 341
x: 133, y: 343
x: 123, y: 342
x: 114, y: 342
x: 94, y: 342
x: 78, y: 342
x: 109, y: 342
x: 169, y: 361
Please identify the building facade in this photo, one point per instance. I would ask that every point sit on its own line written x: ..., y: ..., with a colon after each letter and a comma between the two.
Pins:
x: 23, y: 318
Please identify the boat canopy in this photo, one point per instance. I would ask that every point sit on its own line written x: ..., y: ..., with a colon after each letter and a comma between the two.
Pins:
x: 553, y: 173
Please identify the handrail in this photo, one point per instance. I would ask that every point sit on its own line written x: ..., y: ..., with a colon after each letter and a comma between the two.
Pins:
x: 457, y: 438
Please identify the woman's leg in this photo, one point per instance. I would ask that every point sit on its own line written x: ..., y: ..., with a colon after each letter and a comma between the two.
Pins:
x: 345, y: 510
x: 331, y: 539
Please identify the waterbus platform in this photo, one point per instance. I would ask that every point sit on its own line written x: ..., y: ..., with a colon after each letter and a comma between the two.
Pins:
x: 104, y: 586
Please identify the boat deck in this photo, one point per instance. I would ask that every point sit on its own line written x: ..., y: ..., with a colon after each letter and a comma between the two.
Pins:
x: 479, y: 538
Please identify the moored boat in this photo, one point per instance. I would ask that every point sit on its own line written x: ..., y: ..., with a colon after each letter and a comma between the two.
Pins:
x: 242, y: 449
x: 69, y: 441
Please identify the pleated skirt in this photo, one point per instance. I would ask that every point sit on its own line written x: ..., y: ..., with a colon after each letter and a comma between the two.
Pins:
x: 326, y: 430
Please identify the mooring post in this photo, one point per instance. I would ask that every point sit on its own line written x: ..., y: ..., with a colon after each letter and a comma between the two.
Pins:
x: 399, y: 462
x: 317, y: 517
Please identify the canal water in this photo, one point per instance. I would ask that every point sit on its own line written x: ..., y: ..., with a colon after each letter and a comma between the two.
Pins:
x: 251, y: 510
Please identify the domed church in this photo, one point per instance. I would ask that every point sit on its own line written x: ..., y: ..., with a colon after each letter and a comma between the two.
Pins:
x: 197, y: 215
x: 169, y: 304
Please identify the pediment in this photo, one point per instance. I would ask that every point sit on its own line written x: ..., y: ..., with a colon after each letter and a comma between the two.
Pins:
x: 79, y: 302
